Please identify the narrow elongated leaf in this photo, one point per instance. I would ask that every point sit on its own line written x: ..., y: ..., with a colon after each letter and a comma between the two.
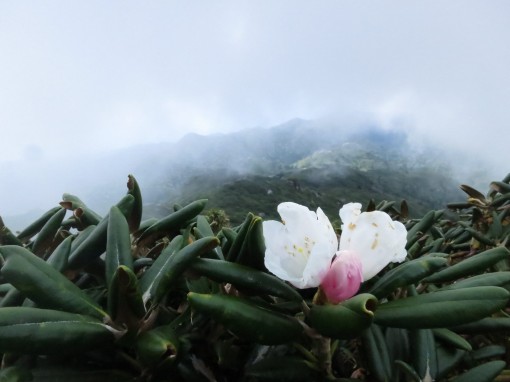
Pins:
x: 42, y: 331
x: 6, y: 235
x: 239, y: 239
x: 95, y: 243
x: 442, y: 308
x: 449, y: 337
x: 448, y: 358
x: 485, y: 325
x: 281, y: 368
x: 420, y: 228
x: 398, y: 344
x: 245, y: 277
x: 377, y: 354
x: 483, y: 373
x: 43, y: 284
x: 406, y: 274
x: 424, y: 354
x: 157, y: 346
x: 175, y: 220
x: 48, y: 232
x: 125, y: 299
x: 71, y: 202
x: 12, y: 298
x: 36, y: 226
x: 408, y: 370
x: 59, y: 257
x: 203, y: 229
x: 229, y: 236
x: 81, y: 237
x: 170, y: 265
x: 500, y: 279
x: 15, y: 374
x: 136, y: 214
x: 473, y: 193
x: 345, y: 320
x: 86, y: 217
x: 475, y: 264
x: 485, y: 352
x: 501, y: 187
x: 247, y: 320
x: 253, y: 248
x: 118, y: 244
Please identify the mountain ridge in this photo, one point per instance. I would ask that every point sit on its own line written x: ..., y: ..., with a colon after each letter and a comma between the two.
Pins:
x: 313, y: 162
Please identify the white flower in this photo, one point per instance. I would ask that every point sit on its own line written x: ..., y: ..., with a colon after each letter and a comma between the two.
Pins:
x: 300, y: 249
x: 376, y: 238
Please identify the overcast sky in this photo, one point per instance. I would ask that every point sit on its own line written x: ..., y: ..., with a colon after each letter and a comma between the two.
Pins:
x: 88, y: 76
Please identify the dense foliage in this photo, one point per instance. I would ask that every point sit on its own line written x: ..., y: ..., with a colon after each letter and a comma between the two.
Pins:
x: 86, y: 297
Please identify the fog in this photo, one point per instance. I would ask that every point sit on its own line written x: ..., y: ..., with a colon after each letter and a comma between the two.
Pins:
x: 79, y: 80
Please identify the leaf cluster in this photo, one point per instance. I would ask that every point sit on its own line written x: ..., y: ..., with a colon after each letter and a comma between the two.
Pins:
x: 90, y: 297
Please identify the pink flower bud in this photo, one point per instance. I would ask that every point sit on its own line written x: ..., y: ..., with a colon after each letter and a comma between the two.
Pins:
x: 343, y: 278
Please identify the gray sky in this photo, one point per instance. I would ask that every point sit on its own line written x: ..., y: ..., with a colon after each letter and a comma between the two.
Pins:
x: 88, y: 76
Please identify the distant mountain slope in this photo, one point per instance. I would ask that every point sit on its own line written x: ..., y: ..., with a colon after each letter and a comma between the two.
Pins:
x: 315, y: 165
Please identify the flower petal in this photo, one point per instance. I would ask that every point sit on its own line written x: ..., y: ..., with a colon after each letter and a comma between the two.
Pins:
x: 344, y: 277
x: 375, y: 237
x: 299, y: 250
x: 349, y: 214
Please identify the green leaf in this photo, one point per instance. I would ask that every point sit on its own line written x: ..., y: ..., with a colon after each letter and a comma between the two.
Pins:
x: 253, y: 248
x: 125, y: 299
x: 203, y: 229
x: 43, y: 284
x: 377, y: 354
x: 245, y: 278
x: 36, y: 226
x: 283, y: 368
x: 424, y: 355
x: 448, y: 358
x: 483, y: 373
x: 420, y: 228
x: 500, y: 279
x: 71, y: 202
x: 485, y: 352
x: 475, y: 264
x: 239, y: 238
x: 174, y: 221
x: 406, y: 274
x: 485, y: 325
x: 247, y: 320
x: 442, y: 308
x: 408, y: 371
x: 59, y: 257
x: 81, y: 237
x: 12, y: 298
x: 136, y: 214
x: 159, y: 345
x: 95, y: 243
x: 86, y: 217
x: 397, y: 341
x: 15, y: 374
x: 47, y: 234
x: 170, y: 265
x: 42, y: 331
x: 451, y: 338
x: 345, y: 320
x: 118, y: 244
x: 6, y: 235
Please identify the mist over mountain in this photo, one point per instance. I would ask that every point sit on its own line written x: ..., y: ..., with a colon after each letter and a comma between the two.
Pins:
x: 307, y: 162
x: 316, y: 163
